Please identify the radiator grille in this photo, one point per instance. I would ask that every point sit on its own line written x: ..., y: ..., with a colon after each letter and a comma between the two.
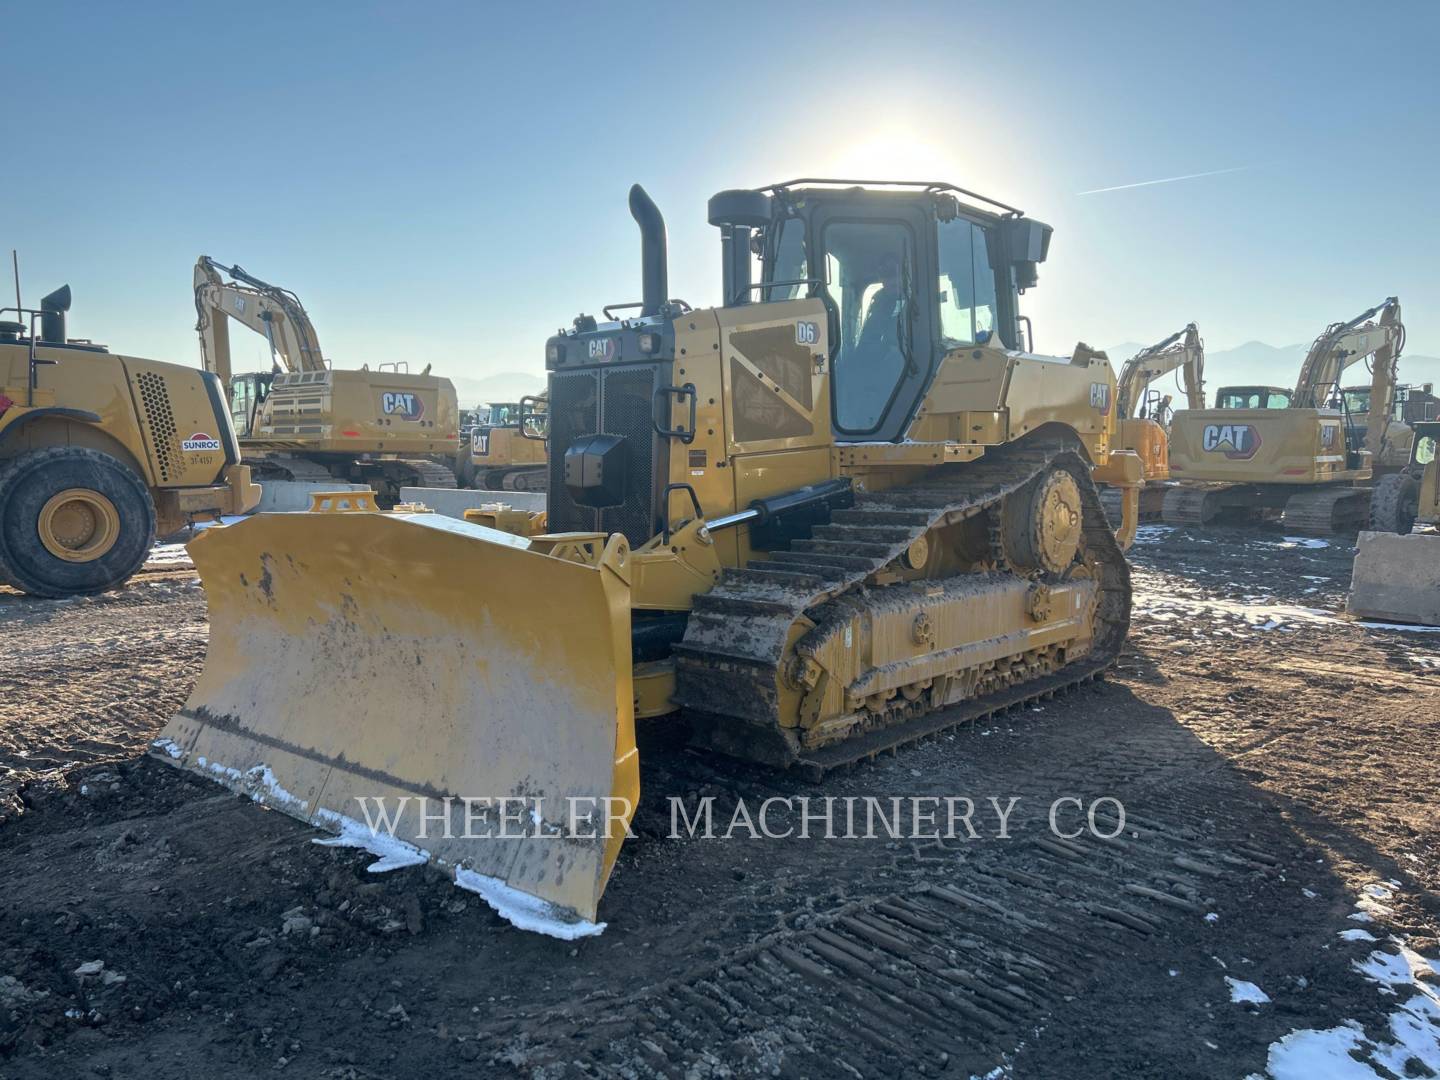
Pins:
x: 611, y: 401
x: 627, y: 408
x: 161, y: 420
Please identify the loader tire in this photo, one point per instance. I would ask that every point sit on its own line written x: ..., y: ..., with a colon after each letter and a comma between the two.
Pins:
x: 1394, y: 503
x: 73, y: 522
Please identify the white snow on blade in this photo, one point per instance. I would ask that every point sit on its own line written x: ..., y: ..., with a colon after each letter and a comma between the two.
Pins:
x: 391, y: 853
x: 523, y: 911
x: 169, y: 746
x: 1302, y: 542
x: 1412, y: 627
x: 1357, y: 935
x: 1242, y: 992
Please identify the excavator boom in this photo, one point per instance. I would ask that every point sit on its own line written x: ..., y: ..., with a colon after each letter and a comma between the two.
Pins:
x: 274, y: 313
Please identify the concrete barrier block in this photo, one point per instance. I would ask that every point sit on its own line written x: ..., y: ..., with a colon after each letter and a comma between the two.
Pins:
x: 288, y: 496
x: 1397, y: 578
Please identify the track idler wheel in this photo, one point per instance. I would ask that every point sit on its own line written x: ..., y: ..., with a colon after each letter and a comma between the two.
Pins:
x: 1041, y: 523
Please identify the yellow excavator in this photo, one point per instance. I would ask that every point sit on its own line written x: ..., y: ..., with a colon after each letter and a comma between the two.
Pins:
x: 507, y: 448
x: 1144, y: 413
x: 1266, y: 449
x: 101, y: 453
x: 840, y: 512
x: 305, y: 420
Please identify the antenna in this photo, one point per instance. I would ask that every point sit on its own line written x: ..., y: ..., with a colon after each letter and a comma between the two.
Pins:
x: 15, y: 262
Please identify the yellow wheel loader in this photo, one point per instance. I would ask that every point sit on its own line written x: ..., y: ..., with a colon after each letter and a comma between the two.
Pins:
x: 1145, y: 414
x: 1266, y: 449
x: 507, y: 448
x: 99, y: 453
x: 1397, y: 573
x: 304, y: 420
x: 836, y: 514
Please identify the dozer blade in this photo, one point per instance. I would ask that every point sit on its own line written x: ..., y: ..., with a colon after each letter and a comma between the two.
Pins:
x: 409, y: 680
x: 1397, y: 578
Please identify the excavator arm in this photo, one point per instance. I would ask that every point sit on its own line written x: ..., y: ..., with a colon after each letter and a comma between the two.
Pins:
x: 1182, y: 349
x: 274, y: 313
x: 1343, y: 344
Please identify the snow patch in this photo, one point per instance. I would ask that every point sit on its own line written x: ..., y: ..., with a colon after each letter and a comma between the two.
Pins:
x: 523, y: 911
x: 1357, y: 935
x: 1246, y: 993
x: 169, y: 746
x: 1302, y: 542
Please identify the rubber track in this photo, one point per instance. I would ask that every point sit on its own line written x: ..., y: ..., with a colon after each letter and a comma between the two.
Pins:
x: 728, y: 663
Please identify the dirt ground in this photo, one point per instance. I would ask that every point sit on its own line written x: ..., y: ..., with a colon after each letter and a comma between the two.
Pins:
x: 1277, y: 765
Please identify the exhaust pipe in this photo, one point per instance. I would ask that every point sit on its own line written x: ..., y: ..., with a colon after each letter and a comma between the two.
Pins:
x: 52, y: 315
x: 653, y: 270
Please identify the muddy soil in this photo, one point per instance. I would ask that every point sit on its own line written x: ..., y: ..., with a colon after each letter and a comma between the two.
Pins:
x: 1277, y: 765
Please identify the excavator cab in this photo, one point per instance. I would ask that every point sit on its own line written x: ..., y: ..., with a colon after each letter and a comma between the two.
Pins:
x: 1252, y: 397
x: 247, y: 395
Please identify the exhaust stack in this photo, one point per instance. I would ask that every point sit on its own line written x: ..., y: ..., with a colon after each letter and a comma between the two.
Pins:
x: 52, y: 315
x: 653, y: 268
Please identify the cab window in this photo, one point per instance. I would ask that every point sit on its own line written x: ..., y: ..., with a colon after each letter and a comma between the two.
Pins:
x: 790, y: 262
x: 967, y: 284
x: 242, y: 400
x: 1425, y: 450
x: 869, y: 278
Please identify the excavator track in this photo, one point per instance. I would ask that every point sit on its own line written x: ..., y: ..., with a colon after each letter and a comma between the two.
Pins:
x: 1328, y: 511
x: 431, y: 474
x: 289, y: 467
x: 741, y: 632
x: 1191, y: 505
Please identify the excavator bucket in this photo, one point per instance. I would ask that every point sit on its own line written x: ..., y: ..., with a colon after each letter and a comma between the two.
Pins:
x: 430, y: 689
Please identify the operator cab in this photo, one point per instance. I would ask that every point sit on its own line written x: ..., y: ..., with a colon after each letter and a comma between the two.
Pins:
x: 1252, y: 397
x: 907, y: 272
x: 247, y: 393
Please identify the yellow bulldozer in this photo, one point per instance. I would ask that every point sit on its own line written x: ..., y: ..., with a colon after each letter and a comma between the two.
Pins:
x: 304, y: 419
x: 507, y: 448
x: 1397, y: 573
x: 1266, y: 449
x: 100, y: 453
x: 840, y: 512
x: 1144, y: 414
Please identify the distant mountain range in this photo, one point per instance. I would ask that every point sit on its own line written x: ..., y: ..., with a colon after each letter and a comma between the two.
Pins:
x: 1258, y: 364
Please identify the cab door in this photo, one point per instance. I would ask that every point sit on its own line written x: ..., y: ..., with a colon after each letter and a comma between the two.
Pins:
x: 877, y: 274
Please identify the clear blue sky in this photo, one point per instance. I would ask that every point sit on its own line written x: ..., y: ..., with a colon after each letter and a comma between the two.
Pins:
x: 447, y: 182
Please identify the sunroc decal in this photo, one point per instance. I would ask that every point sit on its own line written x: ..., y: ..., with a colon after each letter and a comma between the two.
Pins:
x: 601, y: 348
x: 1235, y: 441
x: 807, y: 333
x: 199, y: 442
x: 405, y: 406
x: 1100, y: 396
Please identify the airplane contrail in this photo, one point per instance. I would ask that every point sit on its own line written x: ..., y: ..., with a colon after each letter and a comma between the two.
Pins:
x: 1166, y: 180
